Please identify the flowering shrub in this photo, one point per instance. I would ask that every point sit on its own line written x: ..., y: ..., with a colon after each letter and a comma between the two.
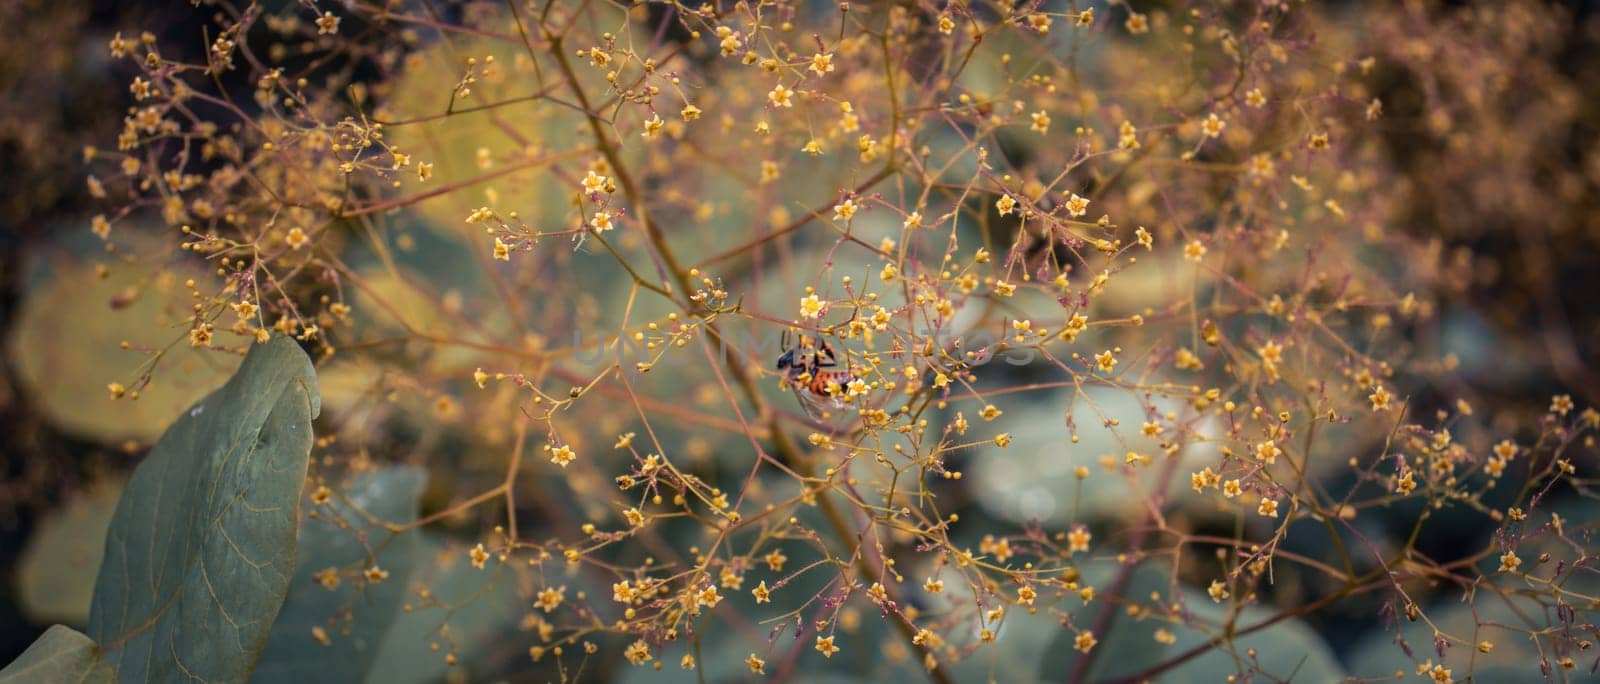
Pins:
x: 1108, y: 349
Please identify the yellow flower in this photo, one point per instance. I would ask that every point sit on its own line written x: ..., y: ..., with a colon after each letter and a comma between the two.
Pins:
x: 652, y: 126
x: 811, y: 306
x: 1268, y: 508
x: 1084, y: 641
x: 1005, y: 205
x: 550, y: 598
x: 844, y: 210
x: 1078, y: 539
x: 1218, y: 591
x: 638, y: 653
x: 1077, y: 205
x: 1561, y: 404
x: 822, y: 63
x: 1267, y: 452
x: 1506, y: 449
x: 775, y: 560
x: 562, y: 455
x: 781, y: 96
x: 1041, y: 122
x: 1509, y: 561
x: 825, y: 646
x: 1379, y: 398
x: 327, y: 24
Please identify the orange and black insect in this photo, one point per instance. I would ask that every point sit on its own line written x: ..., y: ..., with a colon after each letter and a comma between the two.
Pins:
x: 814, y: 375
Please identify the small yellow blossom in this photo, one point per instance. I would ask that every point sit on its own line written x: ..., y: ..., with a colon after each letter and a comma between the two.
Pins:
x: 811, y: 306
x: 1005, y: 205
x: 1561, y: 404
x: 1379, y: 398
x: 844, y: 210
x: 1509, y: 561
x: 780, y: 96
x: 1268, y: 507
x: 1078, y: 539
x: 327, y: 24
x: 1084, y: 642
x: 825, y: 646
x: 822, y: 63
x: 1218, y: 591
x: 550, y: 599
x: 638, y: 653
x: 1077, y: 205
x: 562, y: 455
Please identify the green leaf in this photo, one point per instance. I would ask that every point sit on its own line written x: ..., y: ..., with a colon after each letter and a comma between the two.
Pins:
x: 65, y: 347
x: 471, y: 611
x: 1288, y: 650
x: 354, y: 618
x: 202, y: 545
x: 63, y: 654
x: 1125, y: 647
x: 56, y: 573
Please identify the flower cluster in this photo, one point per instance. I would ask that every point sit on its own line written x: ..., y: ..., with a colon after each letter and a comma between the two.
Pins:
x: 537, y: 246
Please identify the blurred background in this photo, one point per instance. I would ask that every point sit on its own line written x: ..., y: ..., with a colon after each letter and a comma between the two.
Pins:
x: 1495, y: 136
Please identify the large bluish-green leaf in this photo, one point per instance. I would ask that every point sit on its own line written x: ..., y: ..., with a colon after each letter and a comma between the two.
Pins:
x: 202, y: 545
x: 62, y: 654
x: 472, y: 609
x: 56, y: 573
x: 1286, y: 651
x: 354, y: 618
